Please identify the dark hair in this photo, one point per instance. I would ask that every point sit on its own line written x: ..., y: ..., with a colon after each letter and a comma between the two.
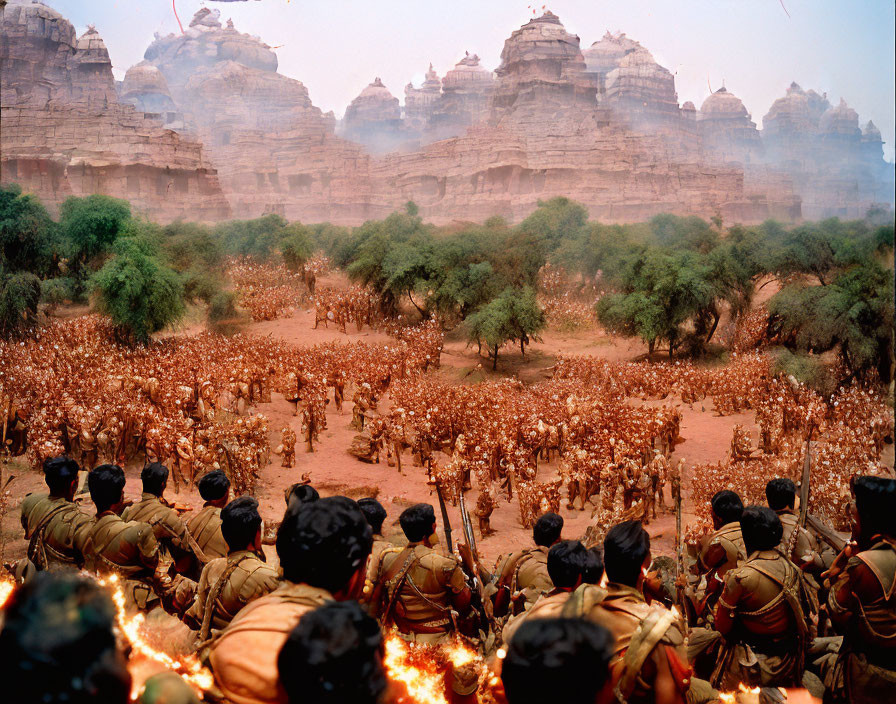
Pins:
x: 727, y: 506
x: 594, y: 566
x: 59, y: 473
x: 374, y: 513
x: 333, y: 656
x: 58, y: 643
x: 213, y: 485
x: 417, y: 522
x: 240, y: 522
x: 106, y: 484
x: 566, y: 563
x: 301, y: 494
x: 876, y: 505
x: 761, y: 528
x: 154, y: 476
x: 547, y: 529
x: 626, y: 547
x: 780, y: 494
x: 324, y: 544
x: 557, y: 659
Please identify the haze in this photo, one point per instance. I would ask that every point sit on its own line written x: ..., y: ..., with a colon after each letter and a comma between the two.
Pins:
x: 756, y: 48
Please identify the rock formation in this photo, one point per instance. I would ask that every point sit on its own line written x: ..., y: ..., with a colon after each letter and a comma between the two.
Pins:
x: 374, y: 119
x: 466, y: 95
x: 726, y: 128
x: 63, y: 131
x: 146, y: 89
x: 419, y: 103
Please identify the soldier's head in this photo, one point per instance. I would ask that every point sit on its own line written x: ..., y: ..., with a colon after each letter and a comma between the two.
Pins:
x: 326, y: 545
x: 106, y: 485
x: 334, y: 655
x: 301, y: 494
x: 557, y: 659
x: 241, y: 524
x: 374, y: 513
x: 566, y: 564
x: 58, y: 643
x: 594, y: 566
x: 419, y: 524
x: 61, y: 476
x: 726, y: 508
x: 214, y: 488
x: 780, y: 494
x: 626, y: 553
x: 875, y: 501
x: 761, y: 528
x: 155, y: 478
x: 547, y: 529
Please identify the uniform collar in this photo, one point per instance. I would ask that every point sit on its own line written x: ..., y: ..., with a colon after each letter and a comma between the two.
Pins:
x: 287, y: 587
x: 616, y: 590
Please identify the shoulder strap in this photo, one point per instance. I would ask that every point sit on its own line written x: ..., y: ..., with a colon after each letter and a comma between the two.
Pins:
x: 644, y: 640
x: 213, y: 595
x: 582, y: 600
x: 36, y: 551
x: 396, y: 577
x: 788, y: 593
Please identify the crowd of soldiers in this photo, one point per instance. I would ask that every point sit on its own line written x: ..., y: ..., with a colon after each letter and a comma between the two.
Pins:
x: 771, y: 601
x: 356, y: 304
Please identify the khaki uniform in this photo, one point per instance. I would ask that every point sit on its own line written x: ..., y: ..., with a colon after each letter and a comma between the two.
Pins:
x: 644, y: 635
x: 548, y: 605
x: 420, y: 582
x: 724, y: 550
x: 166, y: 524
x: 525, y: 574
x: 57, y: 530
x: 767, y: 646
x: 128, y: 549
x: 246, y: 578
x: 244, y: 655
x: 805, y: 541
x: 865, y: 671
x: 205, y: 527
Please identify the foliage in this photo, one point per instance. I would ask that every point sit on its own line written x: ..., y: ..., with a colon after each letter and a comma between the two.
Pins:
x: 259, y: 238
x: 807, y: 369
x: 91, y: 225
x: 56, y: 291
x: 513, y: 316
x: 29, y: 239
x: 555, y: 221
x: 296, y: 246
x: 19, y: 296
x: 138, y: 290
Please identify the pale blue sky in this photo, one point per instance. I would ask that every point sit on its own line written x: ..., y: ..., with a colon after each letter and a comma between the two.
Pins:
x: 336, y: 47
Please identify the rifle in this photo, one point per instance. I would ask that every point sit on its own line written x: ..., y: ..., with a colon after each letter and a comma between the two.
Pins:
x: 446, y: 523
x: 804, y: 498
x: 825, y: 533
x: 470, y: 560
x: 679, y: 554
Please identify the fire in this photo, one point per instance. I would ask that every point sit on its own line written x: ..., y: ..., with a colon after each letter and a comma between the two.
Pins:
x: 5, y: 592
x: 189, y: 668
x: 732, y: 697
x: 423, y: 686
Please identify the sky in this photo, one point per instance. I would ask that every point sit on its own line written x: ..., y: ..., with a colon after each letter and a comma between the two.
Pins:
x: 844, y: 48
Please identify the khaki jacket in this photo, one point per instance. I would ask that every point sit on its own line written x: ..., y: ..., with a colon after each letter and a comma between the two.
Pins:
x: 62, y: 537
x: 127, y: 548
x: 249, y: 580
x: 548, y: 605
x: 727, y: 539
x: 205, y: 527
x: 526, y: 572
x: 244, y: 655
x: 166, y: 524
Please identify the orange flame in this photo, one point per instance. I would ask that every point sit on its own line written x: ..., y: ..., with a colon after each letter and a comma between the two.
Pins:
x: 417, y: 667
x: 189, y: 668
x: 5, y: 592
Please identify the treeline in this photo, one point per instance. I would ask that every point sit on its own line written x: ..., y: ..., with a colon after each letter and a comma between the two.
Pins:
x: 667, y: 281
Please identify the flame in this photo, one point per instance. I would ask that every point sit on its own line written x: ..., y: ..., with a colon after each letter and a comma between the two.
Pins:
x: 423, y: 686
x: 5, y: 592
x: 732, y: 697
x: 189, y: 668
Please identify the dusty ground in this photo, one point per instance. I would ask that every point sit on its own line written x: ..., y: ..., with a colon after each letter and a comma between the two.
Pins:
x: 706, y: 438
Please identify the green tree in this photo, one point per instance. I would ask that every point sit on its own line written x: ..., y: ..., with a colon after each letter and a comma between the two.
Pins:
x: 555, y: 221
x: 19, y: 296
x: 513, y: 316
x: 296, y: 246
x: 138, y: 290
x: 91, y: 225
x: 29, y: 238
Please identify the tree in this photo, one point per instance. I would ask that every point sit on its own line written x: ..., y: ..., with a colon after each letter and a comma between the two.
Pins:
x: 555, y: 221
x: 29, y: 238
x: 852, y: 313
x: 296, y: 246
x: 138, y: 290
x: 91, y: 225
x: 514, y: 316
x: 19, y: 296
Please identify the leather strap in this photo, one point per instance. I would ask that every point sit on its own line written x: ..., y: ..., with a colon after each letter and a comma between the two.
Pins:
x: 37, y: 539
x: 213, y: 595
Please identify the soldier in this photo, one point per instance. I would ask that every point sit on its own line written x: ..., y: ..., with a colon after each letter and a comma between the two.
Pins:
x: 288, y: 446
x: 55, y: 526
x: 323, y: 550
x: 375, y: 514
x: 334, y: 656
x: 862, y: 600
x: 649, y: 660
x: 523, y: 576
x: 762, y: 613
x: 229, y: 583
x: 205, y: 526
x: 418, y: 590
x: 558, y: 660
x: 128, y: 549
x: 724, y: 549
x: 567, y: 563
x: 781, y: 497
x: 169, y: 529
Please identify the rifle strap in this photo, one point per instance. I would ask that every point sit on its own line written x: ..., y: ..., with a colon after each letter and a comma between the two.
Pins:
x: 213, y: 595
x: 37, y: 539
x: 650, y: 631
x: 396, y: 578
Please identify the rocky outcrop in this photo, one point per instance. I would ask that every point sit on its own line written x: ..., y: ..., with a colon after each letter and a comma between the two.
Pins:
x: 729, y: 135
x: 146, y: 89
x: 466, y: 95
x: 419, y: 103
x: 63, y: 131
x: 374, y: 119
